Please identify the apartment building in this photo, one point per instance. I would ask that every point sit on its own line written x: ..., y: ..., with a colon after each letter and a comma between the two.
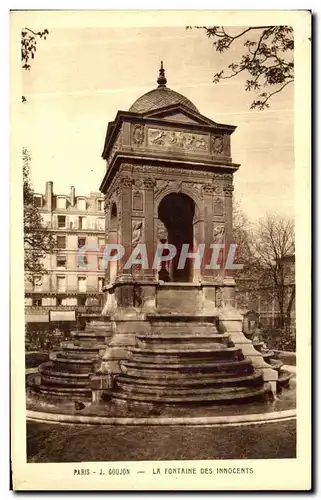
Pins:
x: 76, y: 272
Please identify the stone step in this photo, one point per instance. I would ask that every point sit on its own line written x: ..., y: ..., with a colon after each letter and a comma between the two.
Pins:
x: 188, y: 351
x: 183, y: 357
x: 191, y: 328
x: 80, y: 347
x: 252, y: 379
x: 73, y: 365
x: 182, y: 337
x: 193, y: 346
x: 91, y: 334
x: 134, y: 368
x: 63, y: 393
x: 159, y: 391
x: 99, y: 324
x: 246, y: 395
x: 49, y: 369
x: 78, y: 356
x: 61, y: 381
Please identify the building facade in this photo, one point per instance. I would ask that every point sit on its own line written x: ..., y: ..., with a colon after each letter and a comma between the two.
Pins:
x: 76, y: 271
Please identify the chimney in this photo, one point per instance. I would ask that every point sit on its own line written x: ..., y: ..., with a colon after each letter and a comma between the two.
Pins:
x: 48, y: 195
x: 72, y: 196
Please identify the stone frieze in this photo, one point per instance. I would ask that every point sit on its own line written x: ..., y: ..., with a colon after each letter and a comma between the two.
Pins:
x: 177, y: 139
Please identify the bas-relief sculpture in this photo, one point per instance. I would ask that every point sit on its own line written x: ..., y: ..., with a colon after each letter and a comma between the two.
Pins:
x: 170, y: 138
x: 218, y: 234
x: 137, y: 231
x: 137, y: 135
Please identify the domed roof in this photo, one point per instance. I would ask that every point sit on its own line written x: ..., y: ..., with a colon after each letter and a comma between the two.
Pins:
x: 160, y: 97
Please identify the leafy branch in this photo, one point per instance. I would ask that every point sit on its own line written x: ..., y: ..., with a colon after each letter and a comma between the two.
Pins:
x: 29, y: 47
x: 267, y: 59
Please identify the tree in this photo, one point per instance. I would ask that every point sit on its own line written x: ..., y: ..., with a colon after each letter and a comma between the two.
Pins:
x: 267, y: 254
x: 29, y: 47
x: 248, y: 287
x: 273, y: 246
x: 267, y: 58
x: 38, y: 239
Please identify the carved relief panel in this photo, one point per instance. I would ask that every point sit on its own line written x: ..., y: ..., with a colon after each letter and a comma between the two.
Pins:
x: 220, y: 145
x: 218, y: 206
x: 177, y: 139
x: 138, y: 201
x: 137, y: 135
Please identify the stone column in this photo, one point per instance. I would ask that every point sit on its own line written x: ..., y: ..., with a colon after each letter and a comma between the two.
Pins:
x: 125, y: 222
x: 107, y: 232
x: 124, y: 281
x: 229, y: 282
x: 207, y: 274
x: 149, y: 227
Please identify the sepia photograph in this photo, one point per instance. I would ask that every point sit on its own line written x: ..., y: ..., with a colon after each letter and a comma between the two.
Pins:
x: 160, y: 316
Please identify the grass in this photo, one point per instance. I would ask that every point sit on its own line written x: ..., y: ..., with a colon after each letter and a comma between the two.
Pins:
x: 76, y: 443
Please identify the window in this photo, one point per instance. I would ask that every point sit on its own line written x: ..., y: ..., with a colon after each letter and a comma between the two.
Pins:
x: 100, y: 204
x: 59, y: 301
x: 61, y: 283
x: 37, y: 284
x: 101, y: 243
x: 100, y: 284
x: 61, y: 262
x: 61, y: 202
x: 37, y: 200
x: 81, y: 203
x: 101, y: 223
x: 82, y: 284
x: 61, y: 221
x: 81, y: 223
x: 101, y: 263
x: 36, y: 302
x: 61, y: 241
x: 81, y: 242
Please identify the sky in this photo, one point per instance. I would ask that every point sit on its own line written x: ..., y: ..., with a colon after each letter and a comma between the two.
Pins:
x: 82, y: 75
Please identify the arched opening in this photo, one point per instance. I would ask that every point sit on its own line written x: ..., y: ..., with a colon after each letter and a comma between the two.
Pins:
x: 176, y: 212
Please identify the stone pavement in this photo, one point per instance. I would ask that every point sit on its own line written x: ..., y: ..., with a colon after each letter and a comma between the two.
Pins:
x: 75, y: 443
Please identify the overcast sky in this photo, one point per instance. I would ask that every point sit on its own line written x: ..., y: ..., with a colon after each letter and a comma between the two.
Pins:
x: 82, y: 75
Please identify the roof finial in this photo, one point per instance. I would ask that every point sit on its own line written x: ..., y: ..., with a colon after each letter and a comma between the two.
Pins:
x: 161, y: 80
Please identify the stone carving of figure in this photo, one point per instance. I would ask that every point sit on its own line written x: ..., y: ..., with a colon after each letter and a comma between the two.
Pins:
x: 137, y: 230
x: 159, y: 138
x: 218, y: 144
x: 138, y: 135
x: 161, y: 185
x: 218, y: 234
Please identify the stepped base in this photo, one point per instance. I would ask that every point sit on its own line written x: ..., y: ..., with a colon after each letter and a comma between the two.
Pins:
x: 68, y: 373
